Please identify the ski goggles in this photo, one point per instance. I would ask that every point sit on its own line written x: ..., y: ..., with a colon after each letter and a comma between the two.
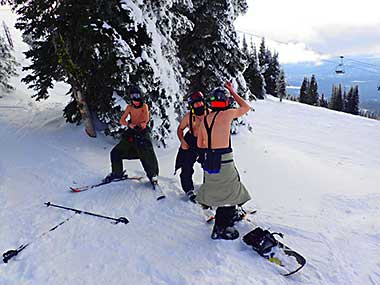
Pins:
x: 135, y: 96
x: 195, y: 97
x: 219, y: 104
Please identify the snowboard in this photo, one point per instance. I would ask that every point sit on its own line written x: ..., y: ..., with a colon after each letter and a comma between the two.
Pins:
x: 265, y: 244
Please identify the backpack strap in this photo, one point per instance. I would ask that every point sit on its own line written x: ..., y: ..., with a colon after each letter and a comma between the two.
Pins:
x: 191, y: 117
x: 209, y: 128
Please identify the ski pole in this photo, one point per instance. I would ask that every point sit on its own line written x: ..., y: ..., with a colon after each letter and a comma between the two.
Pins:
x: 117, y: 220
x: 13, y: 252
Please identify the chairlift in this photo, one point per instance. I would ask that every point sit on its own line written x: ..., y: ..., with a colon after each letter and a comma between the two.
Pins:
x: 340, y: 67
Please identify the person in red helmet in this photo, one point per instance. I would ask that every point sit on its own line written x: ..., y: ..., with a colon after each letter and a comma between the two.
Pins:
x: 188, y: 152
x: 222, y: 187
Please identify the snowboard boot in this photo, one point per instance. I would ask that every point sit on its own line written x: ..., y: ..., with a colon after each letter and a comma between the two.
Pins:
x: 227, y: 233
x: 191, y: 195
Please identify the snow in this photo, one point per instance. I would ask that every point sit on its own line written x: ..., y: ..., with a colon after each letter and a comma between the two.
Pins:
x: 313, y: 174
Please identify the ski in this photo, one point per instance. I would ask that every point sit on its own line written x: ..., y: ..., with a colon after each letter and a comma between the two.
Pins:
x: 244, y: 215
x: 88, y: 187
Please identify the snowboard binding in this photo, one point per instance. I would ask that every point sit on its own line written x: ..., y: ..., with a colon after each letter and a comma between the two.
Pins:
x: 262, y: 241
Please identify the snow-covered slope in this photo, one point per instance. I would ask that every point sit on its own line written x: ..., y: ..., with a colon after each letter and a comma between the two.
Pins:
x: 313, y: 175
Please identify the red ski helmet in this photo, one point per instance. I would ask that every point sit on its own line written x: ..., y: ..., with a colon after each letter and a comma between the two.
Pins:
x: 195, y: 97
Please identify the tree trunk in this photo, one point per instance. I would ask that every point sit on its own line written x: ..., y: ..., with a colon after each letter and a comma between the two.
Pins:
x: 86, y: 114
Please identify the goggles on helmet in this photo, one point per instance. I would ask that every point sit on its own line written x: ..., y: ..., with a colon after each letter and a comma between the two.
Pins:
x: 219, y: 98
x: 135, y: 96
x: 195, y: 97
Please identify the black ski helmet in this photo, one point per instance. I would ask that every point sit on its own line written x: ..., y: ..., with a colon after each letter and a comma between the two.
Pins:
x: 135, y: 93
x: 219, y: 98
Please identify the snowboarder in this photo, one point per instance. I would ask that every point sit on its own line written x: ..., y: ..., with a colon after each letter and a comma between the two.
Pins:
x: 188, y: 152
x: 222, y: 187
x: 136, y: 142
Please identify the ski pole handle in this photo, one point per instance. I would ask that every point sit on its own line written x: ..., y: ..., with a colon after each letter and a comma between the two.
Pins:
x: 9, y: 254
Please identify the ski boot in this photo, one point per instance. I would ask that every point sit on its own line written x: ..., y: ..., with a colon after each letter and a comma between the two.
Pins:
x: 112, y: 176
x: 239, y: 215
x: 153, y: 180
x: 191, y: 195
x: 227, y: 233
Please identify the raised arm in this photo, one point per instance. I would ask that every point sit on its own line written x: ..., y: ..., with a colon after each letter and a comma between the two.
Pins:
x: 243, y: 105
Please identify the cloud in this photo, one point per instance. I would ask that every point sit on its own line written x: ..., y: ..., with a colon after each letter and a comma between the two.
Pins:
x: 324, y: 27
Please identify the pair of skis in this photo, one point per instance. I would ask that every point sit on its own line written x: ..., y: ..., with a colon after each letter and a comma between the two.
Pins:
x: 155, y: 186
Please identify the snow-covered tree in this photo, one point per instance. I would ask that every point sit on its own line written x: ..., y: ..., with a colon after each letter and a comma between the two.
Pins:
x: 312, y: 94
x: 304, y: 91
x: 102, y: 47
x: 210, y: 53
x: 262, y: 55
x: 252, y: 75
x: 269, y: 67
x: 281, y: 85
x: 7, y: 66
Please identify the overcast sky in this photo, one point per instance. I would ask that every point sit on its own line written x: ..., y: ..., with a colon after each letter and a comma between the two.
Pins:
x: 315, y: 28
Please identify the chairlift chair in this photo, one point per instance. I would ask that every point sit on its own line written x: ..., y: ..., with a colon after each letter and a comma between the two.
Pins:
x: 340, y: 67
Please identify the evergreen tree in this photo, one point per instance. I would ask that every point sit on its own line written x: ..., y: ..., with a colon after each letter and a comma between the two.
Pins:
x: 345, y: 101
x: 262, y: 56
x: 355, y: 109
x: 271, y: 73
x: 352, y: 103
x: 312, y: 93
x: 304, y: 91
x: 323, y: 102
x: 7, y: 66
x: 100, y: 47
x: 210, y: 53
x: 252, y: 75
x: 245, y: 49
x: 281, y: 85
x: 336, y: 100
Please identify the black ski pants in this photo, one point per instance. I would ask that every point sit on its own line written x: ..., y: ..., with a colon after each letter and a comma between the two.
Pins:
x: 131, y: 148
x: 224, y: 216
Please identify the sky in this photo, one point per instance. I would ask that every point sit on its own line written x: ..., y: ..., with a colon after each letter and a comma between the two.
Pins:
x: 313, y: 31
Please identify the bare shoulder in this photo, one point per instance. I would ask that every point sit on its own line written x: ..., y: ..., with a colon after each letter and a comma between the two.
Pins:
x: 229, y: 114
x: 185, y: 120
